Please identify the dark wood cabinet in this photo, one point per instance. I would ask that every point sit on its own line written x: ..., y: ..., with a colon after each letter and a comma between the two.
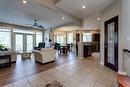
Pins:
x: 96, y: 37
x: 87, y: 50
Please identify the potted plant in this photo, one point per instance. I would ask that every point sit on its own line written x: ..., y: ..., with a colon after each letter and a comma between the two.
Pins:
x: 3, y: 48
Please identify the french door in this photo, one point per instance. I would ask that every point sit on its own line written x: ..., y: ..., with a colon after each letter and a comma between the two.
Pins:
x: 30, y: 42
x: 24, y: 42
x: 19, y: 43
x: 111, y: 43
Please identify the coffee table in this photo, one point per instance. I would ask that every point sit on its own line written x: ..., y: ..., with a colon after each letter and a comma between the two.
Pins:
x: 26, y: 55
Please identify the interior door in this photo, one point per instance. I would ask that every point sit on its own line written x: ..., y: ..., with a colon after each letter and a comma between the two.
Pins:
x: 111, y: 43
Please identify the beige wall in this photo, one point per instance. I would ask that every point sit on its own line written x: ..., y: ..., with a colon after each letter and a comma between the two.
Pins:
x: 91, y: 22
x: 108, y: 13
x: 125, y: 32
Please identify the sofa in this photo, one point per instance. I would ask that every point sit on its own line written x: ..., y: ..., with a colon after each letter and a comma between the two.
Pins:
x: 13, y: 56
x: 45, y: 55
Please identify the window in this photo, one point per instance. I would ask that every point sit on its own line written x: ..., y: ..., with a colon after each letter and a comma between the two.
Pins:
x: 70, y: 38
x: 5, y: 37
x: 87, y: 37
x: 60, y: 39
x: 38, y: 38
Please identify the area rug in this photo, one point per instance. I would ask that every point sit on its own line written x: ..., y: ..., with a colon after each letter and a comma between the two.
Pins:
x: 54, y: 84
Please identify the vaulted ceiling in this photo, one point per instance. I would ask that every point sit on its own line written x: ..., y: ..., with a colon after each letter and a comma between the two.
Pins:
x: 49, y: 13
x: 75, y: 7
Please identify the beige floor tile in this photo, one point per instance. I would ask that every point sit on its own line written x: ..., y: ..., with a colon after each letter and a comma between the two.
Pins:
x: 38, y: 83
x: 105, y: 81
x: 25, y: 85
x: 8, y: 85
x: 100, y: 85
x: 78, y: 76
x: 88, y: 82
x: 64, y: 77
x: 69, y: 73
x: 93, y: 76
x: 33, y: 77
x: 79, y: 73
x: 81, y: 84
x: 70, y: 82
x: 48, y: 79
x: 59, y: 79
x: 20, y: 83
x: 56, y: 74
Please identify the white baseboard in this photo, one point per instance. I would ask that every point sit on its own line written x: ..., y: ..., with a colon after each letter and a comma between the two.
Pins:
x: 80, y: 57
x: 102, y: 63
x: 122, y: 73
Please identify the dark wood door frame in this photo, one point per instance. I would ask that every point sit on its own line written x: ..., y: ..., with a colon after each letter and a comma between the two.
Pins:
x: 115, y: 66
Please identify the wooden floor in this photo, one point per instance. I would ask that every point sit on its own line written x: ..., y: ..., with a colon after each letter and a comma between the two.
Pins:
x: 23, y: 68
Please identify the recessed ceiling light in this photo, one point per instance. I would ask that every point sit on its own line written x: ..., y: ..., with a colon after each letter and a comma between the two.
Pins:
x: 24, y: 1
x: 98, y: 19
x: 10, y: 22
x: 83, y: 6
x: 63, y: 17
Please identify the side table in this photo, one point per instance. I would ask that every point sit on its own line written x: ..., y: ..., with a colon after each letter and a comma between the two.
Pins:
x: 6, y: 56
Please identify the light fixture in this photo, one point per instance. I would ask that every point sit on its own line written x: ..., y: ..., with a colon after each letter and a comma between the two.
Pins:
x: 24, y: 1
x: 83, y: 6
x: 98, y: 19
x: 63, y: 17
x: 10, y: 22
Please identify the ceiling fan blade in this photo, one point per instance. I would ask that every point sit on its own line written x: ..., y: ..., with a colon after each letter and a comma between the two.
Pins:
x: 41, y: 26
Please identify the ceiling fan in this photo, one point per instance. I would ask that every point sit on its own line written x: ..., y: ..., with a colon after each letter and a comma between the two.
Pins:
x: 37, y: 25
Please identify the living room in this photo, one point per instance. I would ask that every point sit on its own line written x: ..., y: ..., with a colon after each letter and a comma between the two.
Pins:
x: 64, y: 43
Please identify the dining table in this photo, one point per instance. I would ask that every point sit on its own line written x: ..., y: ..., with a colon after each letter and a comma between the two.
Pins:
x: 64, y: 49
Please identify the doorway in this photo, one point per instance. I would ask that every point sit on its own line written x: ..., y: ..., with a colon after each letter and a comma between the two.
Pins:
x: 24, y: 42
x: 111, y: 43
x: 19, y: 43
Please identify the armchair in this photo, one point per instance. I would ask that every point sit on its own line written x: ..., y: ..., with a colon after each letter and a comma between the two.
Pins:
x: 41, y: 45
x: 45, y: 55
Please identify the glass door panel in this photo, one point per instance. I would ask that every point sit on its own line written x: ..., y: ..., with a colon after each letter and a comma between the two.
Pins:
x: 29, y: 42
x: 111, y: 43
x: 19, y: 43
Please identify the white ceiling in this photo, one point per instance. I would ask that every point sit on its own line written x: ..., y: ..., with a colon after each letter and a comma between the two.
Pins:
x: 75, y: 7
x: 14, y: 11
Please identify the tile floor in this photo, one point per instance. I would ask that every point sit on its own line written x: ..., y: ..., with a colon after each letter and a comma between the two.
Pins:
x: 78, y: 73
